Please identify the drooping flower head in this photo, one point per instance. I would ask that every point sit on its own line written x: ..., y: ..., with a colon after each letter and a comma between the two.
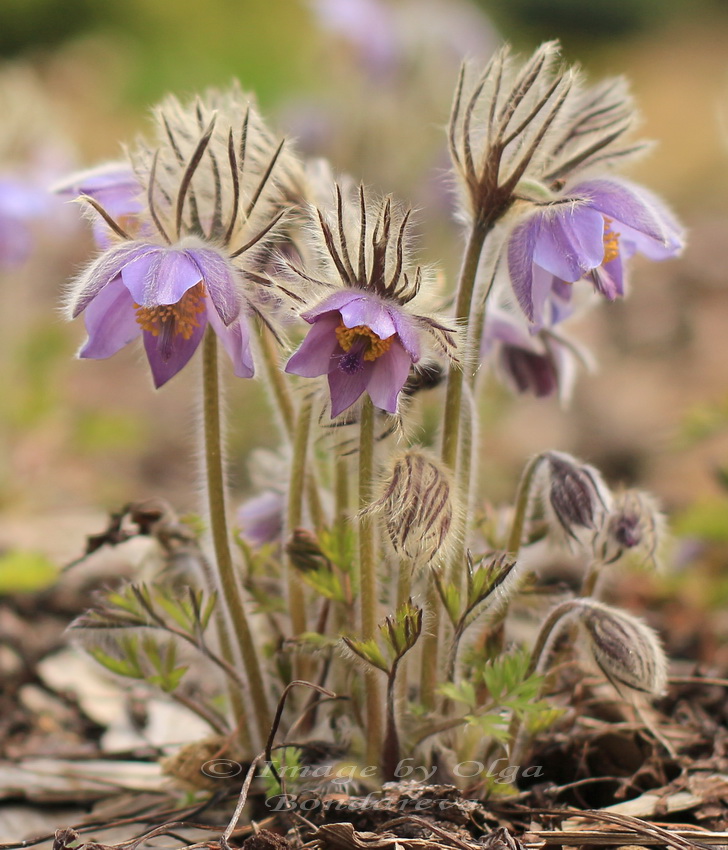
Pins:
x: 213, y: 186
x: 114, y: 186
x: 534, y: 140
x: 543, y: 363
x: 365, y: 335
x: 587, y: 231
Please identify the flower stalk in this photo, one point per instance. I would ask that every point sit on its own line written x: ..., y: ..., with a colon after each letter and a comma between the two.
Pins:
x: 230, y: 593
x: 368, y: 577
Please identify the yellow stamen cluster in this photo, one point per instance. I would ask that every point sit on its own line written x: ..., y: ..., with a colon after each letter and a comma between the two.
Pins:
x: 181, y: 318
x: 611, y: 242
x: 375, y: 345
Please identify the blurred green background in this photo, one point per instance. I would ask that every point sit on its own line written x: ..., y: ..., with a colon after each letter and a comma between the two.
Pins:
x: 77, y: 78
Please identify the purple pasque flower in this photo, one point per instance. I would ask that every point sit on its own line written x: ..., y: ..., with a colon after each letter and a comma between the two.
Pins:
x: 167, y: 295
x: 21, y: 203
x: 365, y: 336
x: 262, y: 518
x: 543, y: 363
x: 587, y: 232
x: 182, y: 269
x: 117, y: 189
x: 361, y: 343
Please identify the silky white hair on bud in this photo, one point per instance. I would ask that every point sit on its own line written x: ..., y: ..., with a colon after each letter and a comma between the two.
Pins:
x: 418, y: 505
x: 626, y: 649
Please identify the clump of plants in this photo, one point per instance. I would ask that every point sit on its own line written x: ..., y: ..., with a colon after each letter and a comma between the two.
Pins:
x: 364, y: 603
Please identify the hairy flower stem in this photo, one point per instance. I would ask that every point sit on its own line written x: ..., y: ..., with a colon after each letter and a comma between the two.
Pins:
x: 591, y: 577
x: 230, y: 594
x: 297, y: 481
x: 455, y: 378
x: 523, y: 494
x: 515, y: 539
x: 450, y: 445
x: 539, y: 657
x: 404, y: 592
x: 342, y: 528
x: 287, y: 412
x: 390, y: 748
x: 368, y: 578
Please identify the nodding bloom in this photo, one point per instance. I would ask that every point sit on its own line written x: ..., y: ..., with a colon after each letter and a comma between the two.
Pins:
x: 262, y: 518
x: 365, y: 336
x: 116, y: 188
x: 634, y: 524
x: 588, y: 231
x: 573, y: 495
x: 212, y: 189
x: 542, y: 364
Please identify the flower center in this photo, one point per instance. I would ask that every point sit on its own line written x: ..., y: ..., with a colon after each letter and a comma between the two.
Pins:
x: 369, y: 346
x: 170, y: 320
x: 611, y: 242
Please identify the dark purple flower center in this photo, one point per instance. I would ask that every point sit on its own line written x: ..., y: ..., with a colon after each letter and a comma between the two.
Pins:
x: 360, y: 343
x: 529, y: 371
x: 353, y: 361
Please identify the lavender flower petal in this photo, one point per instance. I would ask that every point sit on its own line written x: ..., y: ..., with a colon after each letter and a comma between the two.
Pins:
x: 370, y: 312
x: 16, y: 242
x: 520, y: 267
x: 261, y: 518
x: 167, y: 357
x: 314, y: 356
x: 345, y: 388
x: 625, y: 205
x: 236, y: 341
x: 160, y: 277
x: 389, y: 376
x: 218, y: 276
x: 570, y: 242
x: 107, y: 267
x: 408, y: 333
x: 335, y: 301
x: 110, y: 322
x: 114, y: 185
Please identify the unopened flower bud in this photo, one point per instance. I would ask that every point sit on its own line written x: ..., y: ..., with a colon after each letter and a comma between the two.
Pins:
x: 627, y: 650
x: 574, y: 493
x: 634, y: 524
x: 417, y: 505
x: 304, y: 551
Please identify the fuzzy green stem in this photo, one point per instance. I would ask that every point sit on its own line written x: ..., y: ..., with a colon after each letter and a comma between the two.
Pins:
x: 430, y: 645
x: 230, y: 594
x: 287, y: 411
x: 515, y: 540
x: 368, y: 578
x: 591, y: 577
x: 342, y: 490
x: 450, y: 441
x: 523, y: 495
x: 390, y: 749
x: 297, y: 482
x: 296, y: 600
x: 404, y: 592
x: 235, y: 690
x: 278, y: 385
x: 539, y: 657
x: 455, y: 378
